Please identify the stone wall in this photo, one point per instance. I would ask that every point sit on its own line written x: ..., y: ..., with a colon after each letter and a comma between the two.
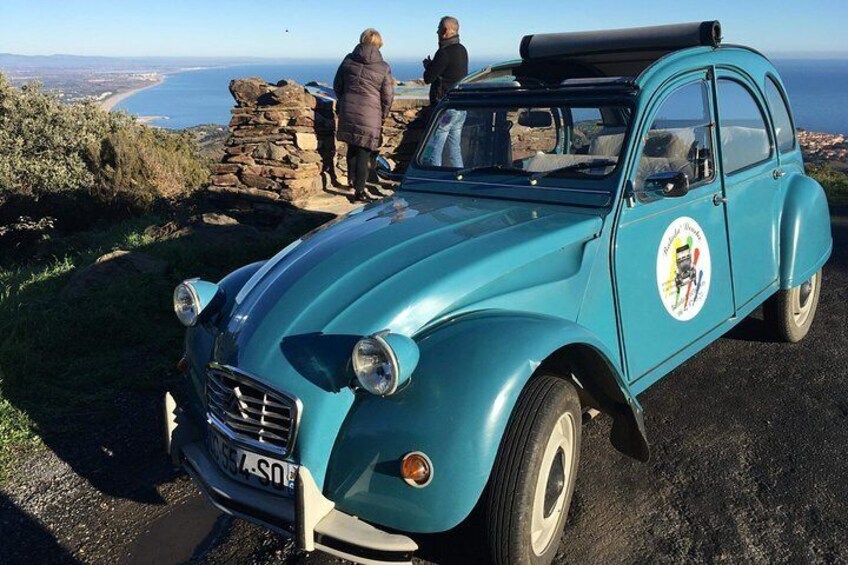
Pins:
x: 282, y: 148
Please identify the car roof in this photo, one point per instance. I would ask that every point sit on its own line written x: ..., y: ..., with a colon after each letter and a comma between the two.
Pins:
x: 625, y: 61
x: 506, y: 76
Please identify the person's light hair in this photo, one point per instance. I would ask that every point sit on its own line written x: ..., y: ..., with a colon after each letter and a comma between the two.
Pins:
x: 449, y: 24
x: 371, y: 37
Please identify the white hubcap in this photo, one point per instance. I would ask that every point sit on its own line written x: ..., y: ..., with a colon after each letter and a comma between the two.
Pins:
x: 802, y: 300
x: 552, y: 484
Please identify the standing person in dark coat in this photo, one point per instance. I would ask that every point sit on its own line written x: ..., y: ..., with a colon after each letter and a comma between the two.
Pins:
x: 450, y: 63
x: 443, y: 72
x: 365, y: 90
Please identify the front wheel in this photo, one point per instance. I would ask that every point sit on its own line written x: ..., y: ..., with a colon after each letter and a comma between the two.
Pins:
x: 533, y: 478
x: 790, y: 312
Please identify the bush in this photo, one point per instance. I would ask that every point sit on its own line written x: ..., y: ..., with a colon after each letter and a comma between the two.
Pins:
x: 834, y: 181
x: 138, y: 164
x: 47, y: 147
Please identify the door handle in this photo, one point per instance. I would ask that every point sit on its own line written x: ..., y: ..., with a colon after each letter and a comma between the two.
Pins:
x: 719, y: 199
x: 778, y: 173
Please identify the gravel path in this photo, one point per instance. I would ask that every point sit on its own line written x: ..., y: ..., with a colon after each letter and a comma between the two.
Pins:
x: 750, y: 464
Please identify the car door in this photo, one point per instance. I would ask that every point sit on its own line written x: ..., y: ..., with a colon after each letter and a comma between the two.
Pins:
x: 672, y: 269
x: 750, y: 172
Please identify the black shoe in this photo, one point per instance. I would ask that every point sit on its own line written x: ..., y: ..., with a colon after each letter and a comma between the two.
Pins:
x: 375, y: 192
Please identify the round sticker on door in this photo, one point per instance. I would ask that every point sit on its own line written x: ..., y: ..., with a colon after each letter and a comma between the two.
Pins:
x: 683, y: 269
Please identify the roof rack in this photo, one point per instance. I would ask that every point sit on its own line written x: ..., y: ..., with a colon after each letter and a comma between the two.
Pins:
x: 596, y: 59
x: 490, y: 85
x: 602, y: 85
x: 598, y: 81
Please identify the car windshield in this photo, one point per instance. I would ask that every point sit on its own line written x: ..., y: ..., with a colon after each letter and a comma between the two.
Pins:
x: 582, y: 141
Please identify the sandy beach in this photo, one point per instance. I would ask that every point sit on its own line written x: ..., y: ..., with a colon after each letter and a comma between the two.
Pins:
x: 115, y: 99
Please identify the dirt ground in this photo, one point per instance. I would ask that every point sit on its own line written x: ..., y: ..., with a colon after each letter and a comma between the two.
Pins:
x: 749, y: 464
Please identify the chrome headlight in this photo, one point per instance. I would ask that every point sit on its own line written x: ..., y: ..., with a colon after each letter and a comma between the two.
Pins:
x: 192, y: 298
x: 384, y: 362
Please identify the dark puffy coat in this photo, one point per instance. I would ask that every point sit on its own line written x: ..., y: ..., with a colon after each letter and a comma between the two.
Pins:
x: 365, y: 90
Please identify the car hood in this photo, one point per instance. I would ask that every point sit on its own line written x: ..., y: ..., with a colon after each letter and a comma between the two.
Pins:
x: 402, y: 264
x: 405, y: 262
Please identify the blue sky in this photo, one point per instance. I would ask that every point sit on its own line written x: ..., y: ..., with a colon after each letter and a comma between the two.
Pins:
x: 328, y: 29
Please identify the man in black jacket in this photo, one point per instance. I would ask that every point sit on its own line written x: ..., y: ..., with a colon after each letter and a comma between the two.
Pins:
x: 450, y: 64
x: 443, y: 72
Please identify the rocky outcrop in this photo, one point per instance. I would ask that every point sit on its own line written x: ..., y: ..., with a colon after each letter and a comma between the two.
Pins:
x: 210, y: 229
x: 112, y: 268
x: 282, y: 149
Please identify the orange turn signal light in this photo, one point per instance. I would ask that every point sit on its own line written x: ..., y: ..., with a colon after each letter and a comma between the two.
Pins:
x: 416, y: 469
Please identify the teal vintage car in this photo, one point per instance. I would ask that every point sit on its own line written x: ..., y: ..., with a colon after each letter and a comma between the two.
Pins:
x: 576, y: 224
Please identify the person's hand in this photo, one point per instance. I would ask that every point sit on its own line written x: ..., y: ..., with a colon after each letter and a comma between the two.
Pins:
x: 426, y: 62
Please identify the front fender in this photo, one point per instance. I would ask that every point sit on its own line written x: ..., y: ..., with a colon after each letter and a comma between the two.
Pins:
x: 455, y: 410
x: 805, y: 238
x: 199, y: 339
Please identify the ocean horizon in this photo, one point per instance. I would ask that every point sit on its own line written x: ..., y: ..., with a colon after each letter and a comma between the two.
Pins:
x: 816, y: 90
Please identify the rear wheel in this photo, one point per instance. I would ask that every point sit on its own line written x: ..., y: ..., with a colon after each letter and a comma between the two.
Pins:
x: 790, y: 312
x: 533, y: 478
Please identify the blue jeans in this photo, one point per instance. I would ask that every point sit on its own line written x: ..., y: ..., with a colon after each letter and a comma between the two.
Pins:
x: 447, y: 138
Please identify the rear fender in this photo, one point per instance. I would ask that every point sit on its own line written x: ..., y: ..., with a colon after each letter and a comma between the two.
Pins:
x: 805, y: 238
x: 455, y: 409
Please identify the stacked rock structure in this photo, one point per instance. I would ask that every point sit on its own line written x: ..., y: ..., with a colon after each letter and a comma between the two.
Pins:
x: 282, y: 149
x: 272, y: 153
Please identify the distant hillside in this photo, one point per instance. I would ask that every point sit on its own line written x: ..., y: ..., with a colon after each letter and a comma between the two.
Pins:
x: 14, y: 62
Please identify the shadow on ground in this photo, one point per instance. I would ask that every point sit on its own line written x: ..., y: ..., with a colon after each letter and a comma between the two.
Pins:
x: 90, y: 371
x: 19, y: 529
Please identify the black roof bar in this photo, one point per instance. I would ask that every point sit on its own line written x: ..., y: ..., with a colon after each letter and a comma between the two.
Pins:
x: 586, y: 43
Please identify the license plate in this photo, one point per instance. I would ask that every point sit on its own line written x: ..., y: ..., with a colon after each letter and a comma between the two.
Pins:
x: 251, y: 468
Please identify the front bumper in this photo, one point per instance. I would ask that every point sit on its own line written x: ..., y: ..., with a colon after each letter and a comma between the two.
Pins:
x: 310, y: 518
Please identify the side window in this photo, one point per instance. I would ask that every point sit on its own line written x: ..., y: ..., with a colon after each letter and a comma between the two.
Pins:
x: 679, y: 139
x: 783, y: 129
x: 744, y: 135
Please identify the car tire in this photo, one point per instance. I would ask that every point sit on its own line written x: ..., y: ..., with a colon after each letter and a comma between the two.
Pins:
x: 532, y: 481
x: 790, y: 312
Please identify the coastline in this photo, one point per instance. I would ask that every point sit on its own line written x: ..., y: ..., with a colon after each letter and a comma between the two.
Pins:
x: 115, y: 99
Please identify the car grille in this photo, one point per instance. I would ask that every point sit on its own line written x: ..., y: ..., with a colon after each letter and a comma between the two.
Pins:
x: 251, y: 411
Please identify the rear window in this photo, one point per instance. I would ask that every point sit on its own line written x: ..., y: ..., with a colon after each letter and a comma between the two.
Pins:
x: 783, y: 130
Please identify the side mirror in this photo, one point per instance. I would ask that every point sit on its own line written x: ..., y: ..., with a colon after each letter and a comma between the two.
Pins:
x: 385, y: 170
x: 535, y: 119
x: 672, y: 184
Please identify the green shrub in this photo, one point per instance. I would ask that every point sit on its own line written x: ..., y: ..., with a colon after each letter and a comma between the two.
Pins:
x: 138, y: 164
x: 835, y: 182
x: 47, y: 147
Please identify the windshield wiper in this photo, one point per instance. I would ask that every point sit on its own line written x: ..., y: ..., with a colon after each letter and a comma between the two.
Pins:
x: 574, y: 167
x: 504, y: 168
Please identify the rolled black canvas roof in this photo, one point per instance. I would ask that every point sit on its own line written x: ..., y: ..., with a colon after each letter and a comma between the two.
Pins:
x: 585, y: 44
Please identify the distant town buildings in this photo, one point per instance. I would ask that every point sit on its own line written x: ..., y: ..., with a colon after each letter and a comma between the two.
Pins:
x: 821, y: 147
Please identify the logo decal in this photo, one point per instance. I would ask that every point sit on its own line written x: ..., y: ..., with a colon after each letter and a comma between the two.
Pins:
x: 683, y: 269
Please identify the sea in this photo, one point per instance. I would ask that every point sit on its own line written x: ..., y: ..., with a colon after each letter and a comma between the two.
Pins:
x: 817, y: 89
